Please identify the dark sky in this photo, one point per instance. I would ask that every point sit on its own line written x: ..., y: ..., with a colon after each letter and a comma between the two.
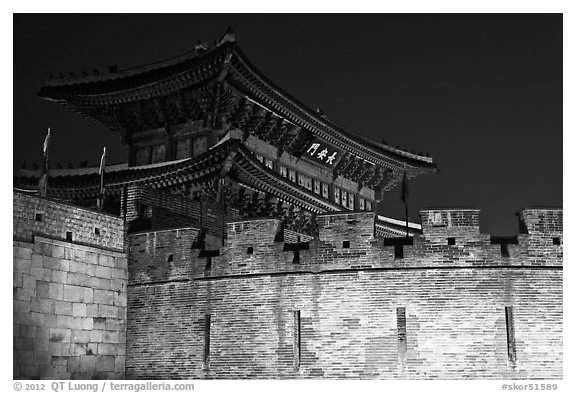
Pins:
x: 482, y: 94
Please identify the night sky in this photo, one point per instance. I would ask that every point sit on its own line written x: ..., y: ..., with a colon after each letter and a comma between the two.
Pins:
x: 482, y: 94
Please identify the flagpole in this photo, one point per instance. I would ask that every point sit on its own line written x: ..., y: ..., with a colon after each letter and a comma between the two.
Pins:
x: 406, y: 205
x: 43, y: 181
x: 405, y: 198
x: 100, y: 199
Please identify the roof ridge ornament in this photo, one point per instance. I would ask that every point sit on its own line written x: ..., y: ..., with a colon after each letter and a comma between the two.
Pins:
x: 201, y: 46
x: 229, y: 36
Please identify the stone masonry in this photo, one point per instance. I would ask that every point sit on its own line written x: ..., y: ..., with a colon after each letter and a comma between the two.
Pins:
x: 164, y: 303
x: 69, y: 302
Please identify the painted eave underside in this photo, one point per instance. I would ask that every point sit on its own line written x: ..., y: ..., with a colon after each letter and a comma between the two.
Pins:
x: 83, y: 183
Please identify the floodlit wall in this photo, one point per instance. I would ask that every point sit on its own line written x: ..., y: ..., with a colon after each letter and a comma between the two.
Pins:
x: 451, y: 303
x: 69, y: 303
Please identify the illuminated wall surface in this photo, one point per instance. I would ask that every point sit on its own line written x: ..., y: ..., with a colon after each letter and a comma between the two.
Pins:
x: 450, y: 303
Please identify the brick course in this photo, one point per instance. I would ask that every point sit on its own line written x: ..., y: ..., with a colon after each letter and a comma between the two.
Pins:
x: 454, y: 297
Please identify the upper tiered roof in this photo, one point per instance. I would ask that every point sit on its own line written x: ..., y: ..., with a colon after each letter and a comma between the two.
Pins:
x: 197, y: 84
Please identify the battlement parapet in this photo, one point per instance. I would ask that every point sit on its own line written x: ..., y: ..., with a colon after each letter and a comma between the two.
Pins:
x: 33, y: 216
x: 346, y: 242
x: 448, y: 222
x: 548, y: 221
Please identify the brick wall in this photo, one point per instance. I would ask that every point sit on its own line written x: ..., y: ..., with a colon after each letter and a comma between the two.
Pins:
x: 348, y: 287
x: 167, y: 210
x: 69, y: 299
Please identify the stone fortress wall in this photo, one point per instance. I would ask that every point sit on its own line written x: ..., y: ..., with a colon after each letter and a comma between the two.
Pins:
x: 450, y: 303
x: 69, y: 291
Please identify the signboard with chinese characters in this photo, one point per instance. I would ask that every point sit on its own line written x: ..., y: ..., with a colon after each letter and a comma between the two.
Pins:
x: 322, y: 153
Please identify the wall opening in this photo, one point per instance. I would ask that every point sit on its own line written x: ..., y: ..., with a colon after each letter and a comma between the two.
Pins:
x: 504, y: 250
x: 97, y: 231
x: 170, y: 258
x: 68, y: 236
x: 346, y: 244
x: 556, y: 241
x: 296, y: 258
x: 451, y: 241
x: 510, y: 337
x: 297, y: 340
x: 401, y: 326
x: 207, y: 326
x: 250, y: 250
x: 39, y: 217
x: 398, y: 251
x: 208, y: 263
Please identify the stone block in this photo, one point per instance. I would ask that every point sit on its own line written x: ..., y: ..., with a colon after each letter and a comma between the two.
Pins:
x: 78, y: 279
x: 50, y: 263
x: 56, y: 291
x: 41, y: 273
x: 87, y: 323
x: 80, y: 267
x: 57, y: 251
x: 64, y: 264
x: 22, y: 253
x: 103, y: 272
x: 73, y: 293
x: 28, y: 282
x: 46, y: 249
x: 76, y: 323
x: 79, y: 255
x: 22, y: 265
x: 59, y: 335
x: 88, y: 363
x: 63, y: 308
x: 42, y: 334
x: 42, y: 289
x: 37, y: 318
x: 79, y: 309
x: 50, y: 320
x: 103, y: 297
x: 42, y: 357
x: 37, y: 260
x: 108, y: 311
x: 96, y: 336
x: 45, y: 306
x: 107, y: 349
x: 27, y: 331
x: 24, y: 294
x: 106, y: 260
x: 59, y: 276
x: 100, y: 323
x: 17, y: 279
x: 120, y: 364
x: 91, y: 258
x: 63, y: 321
x: 111, y: 337
x: 105, y: 363
x: 21, y: 318
x: 91, y: 310
x: 80, y: 336
x: 79, y: 348
x: 88, y: 295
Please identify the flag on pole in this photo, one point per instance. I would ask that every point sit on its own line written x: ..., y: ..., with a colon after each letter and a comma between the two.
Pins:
x: 405, y: 198
x: 405, y: 192
x: 43, y: 181
x: 100, y: 200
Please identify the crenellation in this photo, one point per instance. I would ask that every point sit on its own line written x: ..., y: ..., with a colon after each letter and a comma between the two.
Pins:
x: 83, y: 310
